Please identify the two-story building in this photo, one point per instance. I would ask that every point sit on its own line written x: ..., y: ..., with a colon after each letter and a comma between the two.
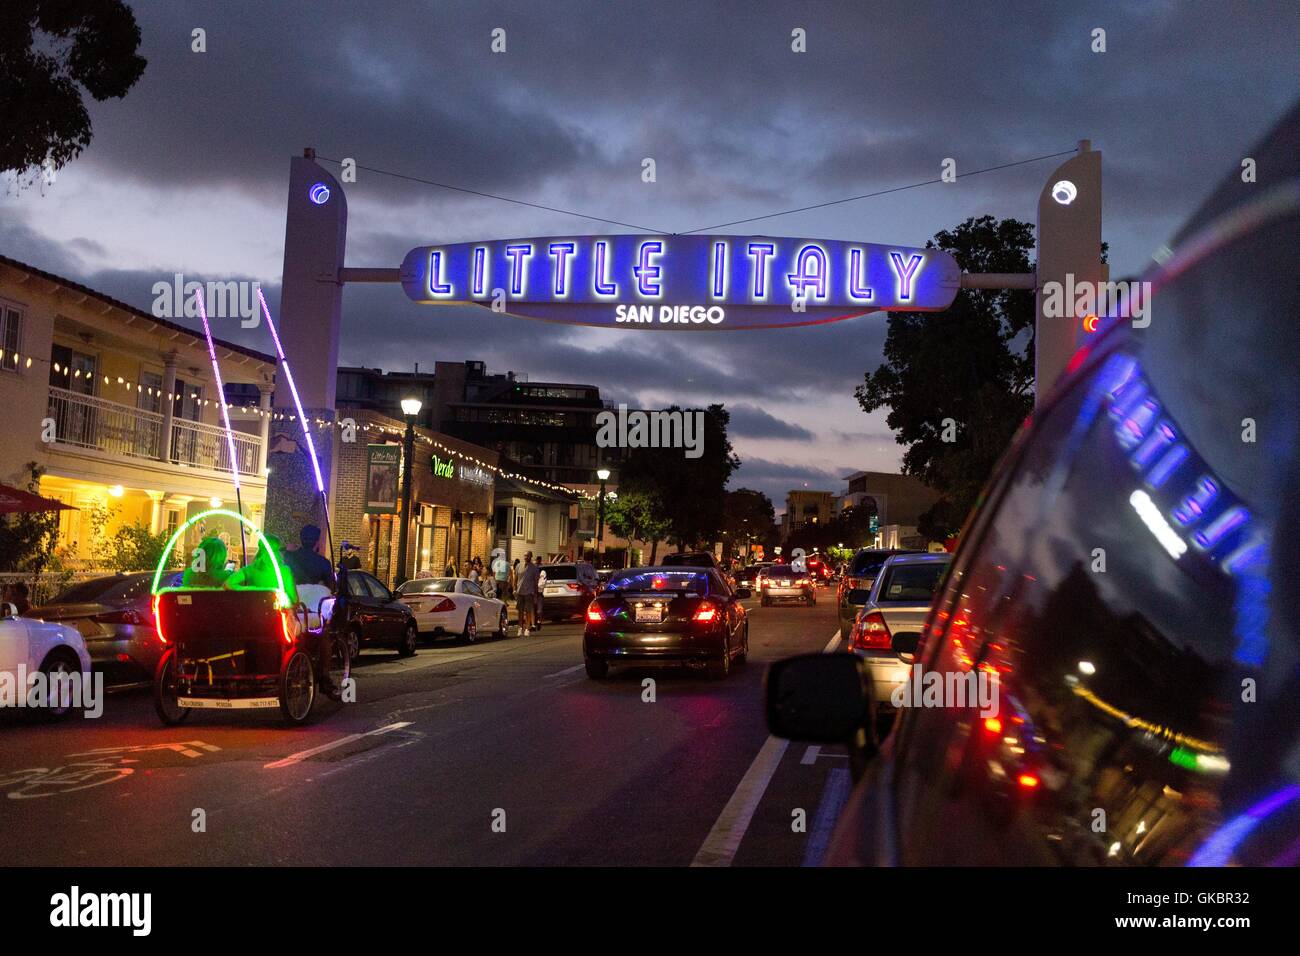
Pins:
x: 121, y: 411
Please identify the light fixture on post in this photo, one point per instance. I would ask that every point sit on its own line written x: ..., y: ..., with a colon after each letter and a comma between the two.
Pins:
x: 603, y: 475
x: 410, y: 409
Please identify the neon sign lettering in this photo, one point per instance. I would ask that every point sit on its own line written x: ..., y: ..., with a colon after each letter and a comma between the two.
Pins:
x: 617, y: 281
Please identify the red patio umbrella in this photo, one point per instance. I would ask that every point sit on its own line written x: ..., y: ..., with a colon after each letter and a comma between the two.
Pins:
x: 13, y: 500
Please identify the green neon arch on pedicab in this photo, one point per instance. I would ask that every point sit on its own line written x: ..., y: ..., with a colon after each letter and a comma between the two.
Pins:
x: 281, y: 595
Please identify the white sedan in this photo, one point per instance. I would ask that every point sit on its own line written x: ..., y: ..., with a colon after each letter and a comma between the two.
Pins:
x: 29, y: 646
x: 453, y: 606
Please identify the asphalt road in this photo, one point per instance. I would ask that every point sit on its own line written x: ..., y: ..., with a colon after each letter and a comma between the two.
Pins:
x: 497, y: 753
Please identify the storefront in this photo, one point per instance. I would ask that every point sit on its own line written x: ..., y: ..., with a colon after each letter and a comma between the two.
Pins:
x: 451, y: 499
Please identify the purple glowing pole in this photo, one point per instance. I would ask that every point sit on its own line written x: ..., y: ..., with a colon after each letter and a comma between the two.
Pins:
x: 225, y: 417
x: 306, y: 431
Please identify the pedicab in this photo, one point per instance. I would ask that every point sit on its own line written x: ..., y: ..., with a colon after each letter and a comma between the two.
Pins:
x: 252, y: 648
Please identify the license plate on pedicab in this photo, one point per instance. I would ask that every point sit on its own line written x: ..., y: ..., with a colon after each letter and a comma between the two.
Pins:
x: 649, y: 614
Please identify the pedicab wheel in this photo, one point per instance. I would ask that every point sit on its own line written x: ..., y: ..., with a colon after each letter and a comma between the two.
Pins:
x: 166, y: 692
x: 297, y: 688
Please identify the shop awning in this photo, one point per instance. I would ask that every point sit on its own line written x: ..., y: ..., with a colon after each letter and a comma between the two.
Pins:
x: 14, y: 500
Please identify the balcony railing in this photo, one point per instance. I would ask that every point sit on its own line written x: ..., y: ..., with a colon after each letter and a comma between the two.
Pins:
x: 89, y: 422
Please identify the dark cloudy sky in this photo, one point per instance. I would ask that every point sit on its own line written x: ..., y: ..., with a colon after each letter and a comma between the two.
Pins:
x: 188, y: 173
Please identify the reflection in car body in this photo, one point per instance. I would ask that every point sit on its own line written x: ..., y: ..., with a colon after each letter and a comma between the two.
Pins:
x: 1129, y: 577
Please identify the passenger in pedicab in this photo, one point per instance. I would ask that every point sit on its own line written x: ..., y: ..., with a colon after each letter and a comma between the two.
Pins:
x: 259, y: 574
x: 211, y: 571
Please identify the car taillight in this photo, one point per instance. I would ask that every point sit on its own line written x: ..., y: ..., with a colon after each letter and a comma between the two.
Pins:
x: 871, y: 633
x: 705, y: 614
x: 446, y: 604
x: 574, y: 587
x: 801, y: 581
x: 594, y: 614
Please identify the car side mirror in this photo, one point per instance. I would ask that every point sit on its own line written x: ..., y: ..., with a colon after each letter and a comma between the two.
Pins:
x: 859, y: 596
x: 818, y: 698
x: 905, y: 643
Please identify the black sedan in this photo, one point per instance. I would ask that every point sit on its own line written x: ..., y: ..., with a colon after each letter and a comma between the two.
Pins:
x: 114, y: 615
x: 666, y: 615
x: 375, y: 616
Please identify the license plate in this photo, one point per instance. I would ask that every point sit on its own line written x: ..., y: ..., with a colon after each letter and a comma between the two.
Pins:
x: 649, y: 615
x: 554, y: 591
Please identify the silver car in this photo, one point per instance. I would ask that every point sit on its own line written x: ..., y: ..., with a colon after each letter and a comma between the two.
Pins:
x: 897, y: 603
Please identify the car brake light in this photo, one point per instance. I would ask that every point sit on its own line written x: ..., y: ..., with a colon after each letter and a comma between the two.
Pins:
x: 1027, y: 780
x: 705, y: 614
x: 993, y: 725
x: 446, y: 604
x: 574, y: 587
x: 871, y: 633
x: 594, y: 613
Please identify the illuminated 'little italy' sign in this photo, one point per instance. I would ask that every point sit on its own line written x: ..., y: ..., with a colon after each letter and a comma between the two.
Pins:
x: 682, y: 282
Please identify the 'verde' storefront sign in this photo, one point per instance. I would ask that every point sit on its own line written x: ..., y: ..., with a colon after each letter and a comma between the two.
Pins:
x: 682, y: 282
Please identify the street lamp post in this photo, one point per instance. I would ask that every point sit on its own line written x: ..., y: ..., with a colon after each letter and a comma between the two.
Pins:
x: 603, y: 475
x: 410, y: 409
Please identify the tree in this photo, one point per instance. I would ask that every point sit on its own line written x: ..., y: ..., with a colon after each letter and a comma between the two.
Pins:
x: 50, y: 51
x: 636, y: 514
x: 748, y: 515
x: 958, y: 383
x: 690, y: 491
x: 27, y: 539
x: 135, y: 548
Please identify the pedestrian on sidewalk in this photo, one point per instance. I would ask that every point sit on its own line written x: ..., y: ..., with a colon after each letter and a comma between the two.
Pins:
x: 501, y: 574
x: 526, y: 594
x: 541, y: 584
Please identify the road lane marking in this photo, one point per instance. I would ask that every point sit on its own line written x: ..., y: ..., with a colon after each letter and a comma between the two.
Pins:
x: 568, y: 670
x: 720, y: 846
x: 302, y: 755
x: 839, y: 784
x: 810, y: 755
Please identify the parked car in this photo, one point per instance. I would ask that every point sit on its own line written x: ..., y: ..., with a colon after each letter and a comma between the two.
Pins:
x: 666, y: 615
x: 747, y: 577
x: 453, y: 606
x: 114, y: 615
x: 569, y: 589
x: 44, y: 646
x: 898, y: 602
x: 1129, y: 579
x: 782, y: 583
x: 860, y: 576
x: 375, y: 616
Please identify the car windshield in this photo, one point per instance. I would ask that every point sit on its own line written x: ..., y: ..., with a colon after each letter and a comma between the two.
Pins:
x: 560, y: 572
x: 912, y: 582
x: 428, y: 586
x: 693, y: 581
x: 106, y: 589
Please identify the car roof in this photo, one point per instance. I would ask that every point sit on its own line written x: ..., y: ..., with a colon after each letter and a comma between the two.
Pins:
x: 923, y: 557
